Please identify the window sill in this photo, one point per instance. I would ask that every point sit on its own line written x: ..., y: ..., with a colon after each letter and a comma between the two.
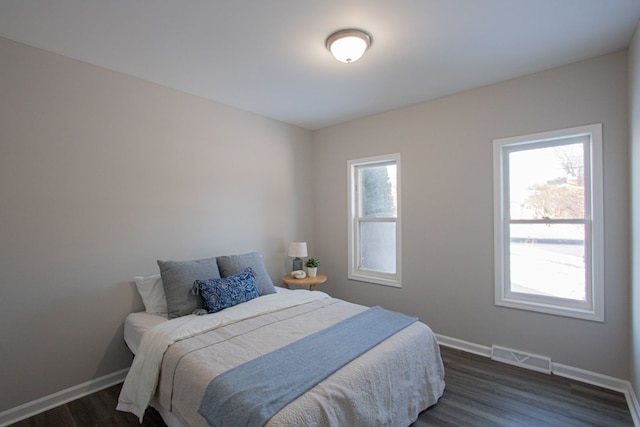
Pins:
x: 375, y: 280
x: 549, y: 308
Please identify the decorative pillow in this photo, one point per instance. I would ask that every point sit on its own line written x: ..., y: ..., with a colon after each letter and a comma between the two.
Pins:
x: 152, y: 293
x: 233, y: 264
x: 177, y: 281
x: 219, y: 294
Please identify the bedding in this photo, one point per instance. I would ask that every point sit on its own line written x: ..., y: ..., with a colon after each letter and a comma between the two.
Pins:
x: 177, y: 278
x: 218, y: 294
x: 232, y: 264
x: 136, y: 324
x: 152, y: 292
x: 254, y: 391
x: 177, y: 281
x: 177, y: 359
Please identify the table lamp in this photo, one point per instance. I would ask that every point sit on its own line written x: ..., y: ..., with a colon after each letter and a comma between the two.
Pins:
x: 297, y: 250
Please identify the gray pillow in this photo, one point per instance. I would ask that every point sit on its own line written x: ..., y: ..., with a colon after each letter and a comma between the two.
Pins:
x: 232, y: 264
x: 177, y: 280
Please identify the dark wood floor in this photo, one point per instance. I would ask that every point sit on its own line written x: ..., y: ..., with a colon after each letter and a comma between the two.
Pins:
x: 480, y: 392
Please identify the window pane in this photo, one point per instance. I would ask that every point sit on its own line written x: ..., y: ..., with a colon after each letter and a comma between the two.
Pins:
x: 548, y: 259
x: 378, y: 191
x: 548, y: 222
x: 547, y: 182
x: 378, y: 246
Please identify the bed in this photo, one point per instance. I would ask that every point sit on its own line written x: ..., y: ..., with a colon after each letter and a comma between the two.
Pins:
x: 179, y: 359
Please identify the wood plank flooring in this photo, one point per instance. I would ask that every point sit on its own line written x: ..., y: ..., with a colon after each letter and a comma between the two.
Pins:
x: 480, y: 392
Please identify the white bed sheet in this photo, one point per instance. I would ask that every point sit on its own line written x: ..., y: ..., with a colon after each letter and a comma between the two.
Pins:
x: 136, y: 324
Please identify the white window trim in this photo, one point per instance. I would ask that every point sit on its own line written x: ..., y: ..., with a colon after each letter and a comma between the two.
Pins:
x: 594, y: 309
x: 356, y: 273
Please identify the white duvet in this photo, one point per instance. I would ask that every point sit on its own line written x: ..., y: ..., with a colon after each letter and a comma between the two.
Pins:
x: 389, y: 385
x: 142, y: 379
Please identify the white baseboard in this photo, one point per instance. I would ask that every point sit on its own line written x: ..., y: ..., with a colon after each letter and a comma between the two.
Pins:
x: 589, y: 377
x: 45, y: 403
x: 582, y: 375
x: 469, y: 347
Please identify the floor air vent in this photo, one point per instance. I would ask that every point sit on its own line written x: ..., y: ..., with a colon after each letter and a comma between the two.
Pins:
x: 523, y: 360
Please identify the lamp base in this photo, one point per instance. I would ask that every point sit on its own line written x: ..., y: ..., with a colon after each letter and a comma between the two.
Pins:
x: 297, y: 264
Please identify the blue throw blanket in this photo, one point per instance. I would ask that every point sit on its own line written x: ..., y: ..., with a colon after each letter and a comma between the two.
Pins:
x: 252, y: 393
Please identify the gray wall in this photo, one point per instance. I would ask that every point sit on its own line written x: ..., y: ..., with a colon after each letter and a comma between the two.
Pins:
x: 634, y: 128
x: 447, y: 246
x: 100, y: 175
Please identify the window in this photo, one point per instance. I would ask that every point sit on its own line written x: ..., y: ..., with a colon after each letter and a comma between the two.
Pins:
x: 374, y: 220
x: 548, y: 222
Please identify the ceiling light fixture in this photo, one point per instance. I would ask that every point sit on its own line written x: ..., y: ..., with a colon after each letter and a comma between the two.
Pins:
x: 348, y: 45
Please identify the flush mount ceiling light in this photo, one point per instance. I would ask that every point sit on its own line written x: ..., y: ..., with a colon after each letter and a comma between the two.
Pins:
x: 348, y: 45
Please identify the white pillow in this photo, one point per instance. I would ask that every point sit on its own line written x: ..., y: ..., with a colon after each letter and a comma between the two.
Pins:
x: 152, y: 292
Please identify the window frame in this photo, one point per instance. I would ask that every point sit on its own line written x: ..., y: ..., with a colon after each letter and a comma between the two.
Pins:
x: 593, y: 307
x: 355, y: 271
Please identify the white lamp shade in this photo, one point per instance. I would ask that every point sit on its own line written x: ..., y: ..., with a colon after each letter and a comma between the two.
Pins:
x: 348, y: 45
x: 297, y: 249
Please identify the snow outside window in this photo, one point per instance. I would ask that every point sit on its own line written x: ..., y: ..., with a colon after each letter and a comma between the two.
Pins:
x: 548, y: 222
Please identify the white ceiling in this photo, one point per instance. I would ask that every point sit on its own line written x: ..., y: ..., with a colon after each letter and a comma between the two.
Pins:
x: 269, y: 57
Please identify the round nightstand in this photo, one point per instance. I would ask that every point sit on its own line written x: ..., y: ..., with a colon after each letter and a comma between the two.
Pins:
x: 307, y: 281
